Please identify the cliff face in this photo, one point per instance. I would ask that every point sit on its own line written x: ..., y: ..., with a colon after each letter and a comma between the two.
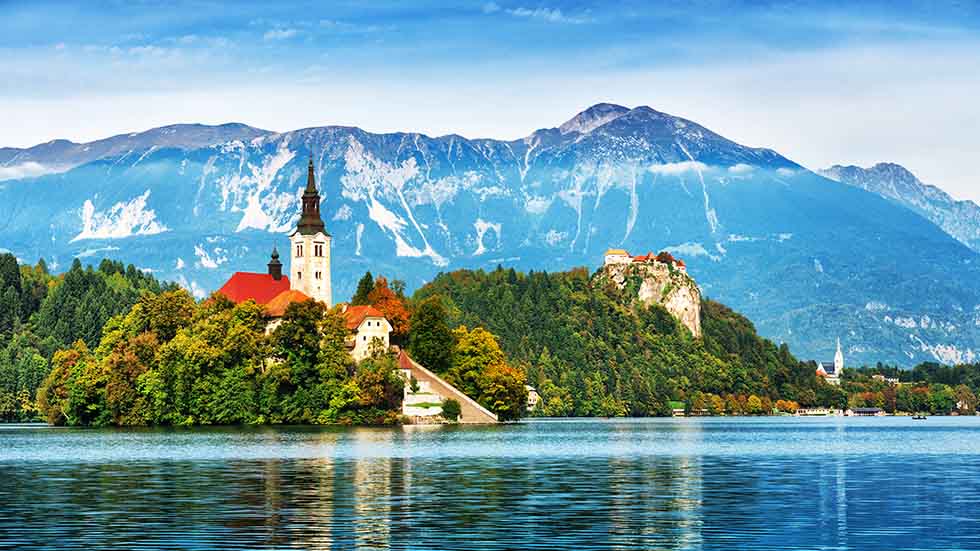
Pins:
x: 660, y: 283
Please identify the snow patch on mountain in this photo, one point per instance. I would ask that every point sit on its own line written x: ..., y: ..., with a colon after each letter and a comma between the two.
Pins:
x: 192, y: 286
x: 264, y: 208
x: 482, y: 226
x: 945, y: 353
x: 205, y: 258
x: 124, y: 219
x: 368, y: 178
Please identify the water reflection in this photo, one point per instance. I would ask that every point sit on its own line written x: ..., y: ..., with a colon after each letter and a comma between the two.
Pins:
x: 596, y: 485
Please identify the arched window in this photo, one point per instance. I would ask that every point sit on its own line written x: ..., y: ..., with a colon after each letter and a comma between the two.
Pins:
x: 299, y: 250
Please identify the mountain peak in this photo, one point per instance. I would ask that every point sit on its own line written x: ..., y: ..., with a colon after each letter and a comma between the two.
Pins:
x: 592, y: 118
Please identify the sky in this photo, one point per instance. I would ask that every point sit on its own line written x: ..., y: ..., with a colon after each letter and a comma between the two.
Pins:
x: 820, y: 82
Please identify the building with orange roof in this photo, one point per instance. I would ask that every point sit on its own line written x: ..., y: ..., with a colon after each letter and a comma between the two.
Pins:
x: 366, y: 323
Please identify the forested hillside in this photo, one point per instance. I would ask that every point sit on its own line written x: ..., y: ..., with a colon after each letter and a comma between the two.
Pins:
x: 589, y: 350
x: 41, y: 313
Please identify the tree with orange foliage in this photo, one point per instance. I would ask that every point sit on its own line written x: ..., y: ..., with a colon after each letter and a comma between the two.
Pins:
x: 393, y: 307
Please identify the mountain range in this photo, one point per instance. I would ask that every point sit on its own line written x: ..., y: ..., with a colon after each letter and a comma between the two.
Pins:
x: 807, y: 257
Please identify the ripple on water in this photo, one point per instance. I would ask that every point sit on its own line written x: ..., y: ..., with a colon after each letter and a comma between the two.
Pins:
x: 649, y: 484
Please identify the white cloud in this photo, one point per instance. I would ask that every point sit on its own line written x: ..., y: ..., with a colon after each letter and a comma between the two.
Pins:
x: 92, y: 252
x: 491, y: 7
x: 29, y: 169
x: 550, y: 15
x: 741, y: 168
x: 673, y: 169
x: 280, y: 34
x: 691, y: 249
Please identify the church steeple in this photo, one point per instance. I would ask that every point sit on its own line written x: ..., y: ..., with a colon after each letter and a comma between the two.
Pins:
x: 310, y: 222
x: 838, y: 359
x: 275, y: 267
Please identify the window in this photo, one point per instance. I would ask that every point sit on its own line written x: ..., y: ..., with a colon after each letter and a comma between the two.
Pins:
x: 364, y: 338
x: 299, y: 250
x: 299, y: 275
x: 318, y: 249
x: 317, y: 275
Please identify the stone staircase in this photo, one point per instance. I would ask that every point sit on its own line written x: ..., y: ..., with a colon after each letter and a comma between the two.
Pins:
x: 422, y: 406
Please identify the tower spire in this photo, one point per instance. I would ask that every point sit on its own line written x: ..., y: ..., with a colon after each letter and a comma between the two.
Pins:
x: 310, y: 178
x: 310, y: 222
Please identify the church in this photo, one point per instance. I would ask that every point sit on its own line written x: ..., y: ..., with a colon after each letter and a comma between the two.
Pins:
x: 309, y: 277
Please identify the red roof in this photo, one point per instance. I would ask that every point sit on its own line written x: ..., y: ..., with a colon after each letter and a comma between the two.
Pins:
x: 259, y: 287
x: 277, y: 306
x: 356, y: 314
x: 404, y: 362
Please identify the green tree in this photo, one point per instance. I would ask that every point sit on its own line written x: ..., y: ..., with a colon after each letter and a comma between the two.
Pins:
x: 451, y: 410
x: 480, y: 370
x: 431, y: 340
x: 364, y: 287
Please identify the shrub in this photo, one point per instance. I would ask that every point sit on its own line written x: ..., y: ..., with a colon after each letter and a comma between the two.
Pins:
x: 451, y: 410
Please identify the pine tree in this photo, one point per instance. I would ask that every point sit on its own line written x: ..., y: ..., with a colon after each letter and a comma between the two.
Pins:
x: 364, y: 288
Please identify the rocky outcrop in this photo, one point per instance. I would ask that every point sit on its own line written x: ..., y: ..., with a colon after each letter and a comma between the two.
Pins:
x: 663, y: 284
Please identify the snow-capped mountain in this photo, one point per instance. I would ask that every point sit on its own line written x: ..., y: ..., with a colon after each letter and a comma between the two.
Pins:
x: 960, y: 219
x: 806, y: 258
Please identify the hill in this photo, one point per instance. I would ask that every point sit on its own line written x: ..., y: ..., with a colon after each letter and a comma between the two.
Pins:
x: 592, y: 348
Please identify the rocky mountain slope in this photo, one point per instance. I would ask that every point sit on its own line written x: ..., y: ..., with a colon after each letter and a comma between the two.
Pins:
x: 960, y: 219
x: 806, y: 258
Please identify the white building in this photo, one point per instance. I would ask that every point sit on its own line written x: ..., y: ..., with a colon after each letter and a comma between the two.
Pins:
x: 617, y: 256
x: 366, y: 323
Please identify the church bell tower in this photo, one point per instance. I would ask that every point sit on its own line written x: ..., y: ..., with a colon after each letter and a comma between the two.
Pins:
x: 309, y: 266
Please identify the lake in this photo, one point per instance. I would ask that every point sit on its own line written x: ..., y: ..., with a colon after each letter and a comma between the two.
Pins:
x: 722, y: 483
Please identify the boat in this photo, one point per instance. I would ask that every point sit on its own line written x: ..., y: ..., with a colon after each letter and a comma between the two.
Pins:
x: 918, y: 417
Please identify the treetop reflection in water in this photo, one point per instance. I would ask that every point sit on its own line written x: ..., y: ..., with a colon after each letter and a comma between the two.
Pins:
x: 883, y: 483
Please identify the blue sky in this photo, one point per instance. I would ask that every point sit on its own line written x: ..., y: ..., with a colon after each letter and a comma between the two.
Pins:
x: 821, y: 82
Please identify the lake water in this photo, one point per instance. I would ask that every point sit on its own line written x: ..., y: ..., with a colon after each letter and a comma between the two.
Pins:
x: 780, y: 483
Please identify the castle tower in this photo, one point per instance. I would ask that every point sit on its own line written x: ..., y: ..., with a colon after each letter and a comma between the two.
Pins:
x: 309, y: 266
x: 838, y: 360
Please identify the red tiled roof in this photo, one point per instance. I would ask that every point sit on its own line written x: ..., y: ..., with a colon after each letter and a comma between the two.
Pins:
x: 404, y: 362
x: 259, y: 287
x: 277, y: 306
x: 356, y: 314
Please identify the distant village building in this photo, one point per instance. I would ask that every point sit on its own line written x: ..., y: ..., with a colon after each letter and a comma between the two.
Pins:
x: 865, y: 412
x: 532, y: 397
x: 831, y: 371
x: 818, y: 412
x: 883, y: 379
